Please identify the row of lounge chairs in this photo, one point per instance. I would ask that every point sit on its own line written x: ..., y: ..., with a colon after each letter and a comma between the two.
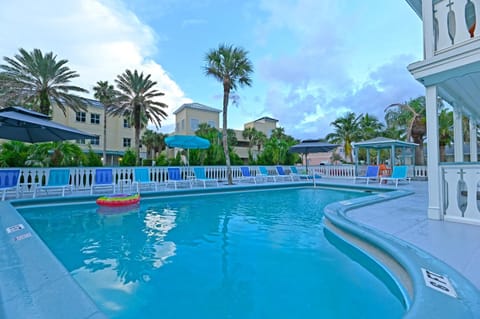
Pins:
x: 399, y: 173
x: 59, y: 180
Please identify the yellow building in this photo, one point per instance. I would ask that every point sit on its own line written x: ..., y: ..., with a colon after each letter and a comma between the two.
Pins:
x: 189, y: 116
x: 120, y: 134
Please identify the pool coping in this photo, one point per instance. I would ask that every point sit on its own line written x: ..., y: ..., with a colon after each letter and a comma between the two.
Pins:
x: 47, y: 282
x: 421, y: 301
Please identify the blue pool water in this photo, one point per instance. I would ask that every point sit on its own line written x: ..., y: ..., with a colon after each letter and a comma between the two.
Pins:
x: 261, y: 254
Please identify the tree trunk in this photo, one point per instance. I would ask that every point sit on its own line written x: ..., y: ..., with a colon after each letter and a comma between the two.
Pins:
x: 105, y: 138
x: 226, y: 91
x: 138, y: 127
x: 419, y: 156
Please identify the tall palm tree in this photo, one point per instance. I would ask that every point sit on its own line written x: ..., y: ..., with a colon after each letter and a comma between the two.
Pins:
x: 137, y: 98
x: 347, y: 130
x: 370, y: 126
x: 412, y: 117
x: 148, y: 139
x: 105, y: 93
x: 32, y: 77
x: 230, y: 66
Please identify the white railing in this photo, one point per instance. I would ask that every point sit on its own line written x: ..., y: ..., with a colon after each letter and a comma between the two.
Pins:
x: 460, y: 192
x: 450, y: 25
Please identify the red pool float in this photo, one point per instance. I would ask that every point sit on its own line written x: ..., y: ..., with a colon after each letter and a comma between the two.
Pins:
x: 118, y: 200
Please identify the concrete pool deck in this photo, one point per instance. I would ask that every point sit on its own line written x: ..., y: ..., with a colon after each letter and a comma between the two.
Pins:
x: 406, y: 218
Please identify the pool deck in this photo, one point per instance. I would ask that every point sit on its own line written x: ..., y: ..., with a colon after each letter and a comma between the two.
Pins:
x: 406, y: 218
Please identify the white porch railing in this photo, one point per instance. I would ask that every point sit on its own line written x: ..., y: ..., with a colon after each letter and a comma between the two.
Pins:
x: 460, y: 192
x: 454, y: 22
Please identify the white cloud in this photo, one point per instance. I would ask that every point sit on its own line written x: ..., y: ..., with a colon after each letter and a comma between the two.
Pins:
x: 101, y: 39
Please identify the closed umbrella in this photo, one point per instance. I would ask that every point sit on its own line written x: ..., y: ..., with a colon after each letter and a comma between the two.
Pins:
x: 20, y: 124
x: 187, y: 142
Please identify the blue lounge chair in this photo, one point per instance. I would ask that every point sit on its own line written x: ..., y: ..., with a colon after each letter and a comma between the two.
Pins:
x: 399, y: 173
x: 264, y: 174
x: 103, y: 179
x: 58, y: 179
x: 175, y: 178
x: 246, y: 176
x: 295, y: 173
x: 283, y: 175
x: 141, y: 177
x: 370, y: 174
x: 9, y: 179
x: 201, y: 177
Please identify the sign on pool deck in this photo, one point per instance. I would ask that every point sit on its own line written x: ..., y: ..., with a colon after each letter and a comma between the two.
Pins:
x: 438, y: 282
x: 14, y: 228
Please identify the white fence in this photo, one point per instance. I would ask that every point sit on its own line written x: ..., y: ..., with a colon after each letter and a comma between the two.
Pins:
x: 460, y: 192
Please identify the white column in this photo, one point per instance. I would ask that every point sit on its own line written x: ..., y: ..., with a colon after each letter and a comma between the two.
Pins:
x: 457, y: 135
x: 433, y: 153
x: 473, y: 141
x: 428, y: 36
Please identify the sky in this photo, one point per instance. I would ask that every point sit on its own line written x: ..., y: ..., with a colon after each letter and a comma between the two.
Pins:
x: 313, y: 61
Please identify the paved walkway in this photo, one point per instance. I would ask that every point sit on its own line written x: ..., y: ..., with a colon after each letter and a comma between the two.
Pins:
x: 406, y: 218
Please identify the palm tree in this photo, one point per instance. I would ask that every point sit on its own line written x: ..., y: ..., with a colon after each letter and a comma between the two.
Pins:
x: 411, y: 116
x: 106, y: 94
x: 347, y: 130
x: 230, y: 66
x: 370, y: 126
x: 445, y: 131
x: 149, y: 139
x: 32, y: 77
x: 136, y: 98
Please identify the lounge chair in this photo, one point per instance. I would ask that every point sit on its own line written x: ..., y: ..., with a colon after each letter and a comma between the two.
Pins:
x: 399, y: 173
x: 294, y: 172
x: 283, y: 175
x: 264, y: 174
x: 58, y: 179
x: 141, y: 177
x: 9, y: 179
x: 246, y: 176
x: 201, y: 177
x: 370, y: 174
x: 103, y: 179
x: 175, y: 178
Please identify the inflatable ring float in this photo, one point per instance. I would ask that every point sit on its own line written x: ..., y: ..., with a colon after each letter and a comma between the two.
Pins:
x: 118, y: 200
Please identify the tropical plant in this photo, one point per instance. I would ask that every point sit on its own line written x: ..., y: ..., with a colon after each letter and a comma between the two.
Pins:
x: 346, y: 130
x: 92, y: 159
x: 370, y: 126
x: 129, y: 158
x: 32, y: 77
x: 106, y: 94
x: 14, y: 154
x: 55, y: 154
x: 411, y: 116
x: 230, y: 66
x: 445, y: 131
x: 137, y: 98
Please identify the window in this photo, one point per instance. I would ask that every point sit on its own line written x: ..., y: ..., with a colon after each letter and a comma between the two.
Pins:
x: 126, y: 123
x: 211, y: 123
x: 183, y: 125
x: 80, y: 117
x: 127, y: 142
x: 94, y: 118
x: 95, y: 140
x: 177, y: 127
x: 193, y: 124
x: 80, y: 141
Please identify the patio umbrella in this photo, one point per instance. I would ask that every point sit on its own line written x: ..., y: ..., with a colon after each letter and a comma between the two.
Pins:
x: 187, y: 142
x: 311, y: 147
x: 20, y: 124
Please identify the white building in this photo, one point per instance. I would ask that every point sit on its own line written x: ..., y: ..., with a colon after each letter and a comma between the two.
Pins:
x: 450, y: 70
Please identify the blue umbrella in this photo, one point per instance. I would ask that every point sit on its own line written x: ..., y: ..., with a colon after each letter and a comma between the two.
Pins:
x: 187, y: 142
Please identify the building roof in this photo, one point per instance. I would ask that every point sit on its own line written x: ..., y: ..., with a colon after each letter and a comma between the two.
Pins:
x: 266, y: 118
x: 196, y: 106
x: 382, y: 142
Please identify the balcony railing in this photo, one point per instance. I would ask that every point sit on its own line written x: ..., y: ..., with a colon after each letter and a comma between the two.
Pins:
x: 460, y: 192
x: 454, y: 22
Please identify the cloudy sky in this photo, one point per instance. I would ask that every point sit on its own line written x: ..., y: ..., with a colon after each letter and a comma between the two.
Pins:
x: 313, y: 60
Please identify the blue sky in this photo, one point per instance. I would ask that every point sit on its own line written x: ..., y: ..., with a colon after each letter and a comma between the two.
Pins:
x: 313, y: 60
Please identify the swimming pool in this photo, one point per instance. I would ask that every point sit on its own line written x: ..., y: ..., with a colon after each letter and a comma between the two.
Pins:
x: 256, y: 254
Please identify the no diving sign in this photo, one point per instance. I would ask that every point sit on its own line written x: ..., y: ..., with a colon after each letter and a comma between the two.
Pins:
x: 438, y: 282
